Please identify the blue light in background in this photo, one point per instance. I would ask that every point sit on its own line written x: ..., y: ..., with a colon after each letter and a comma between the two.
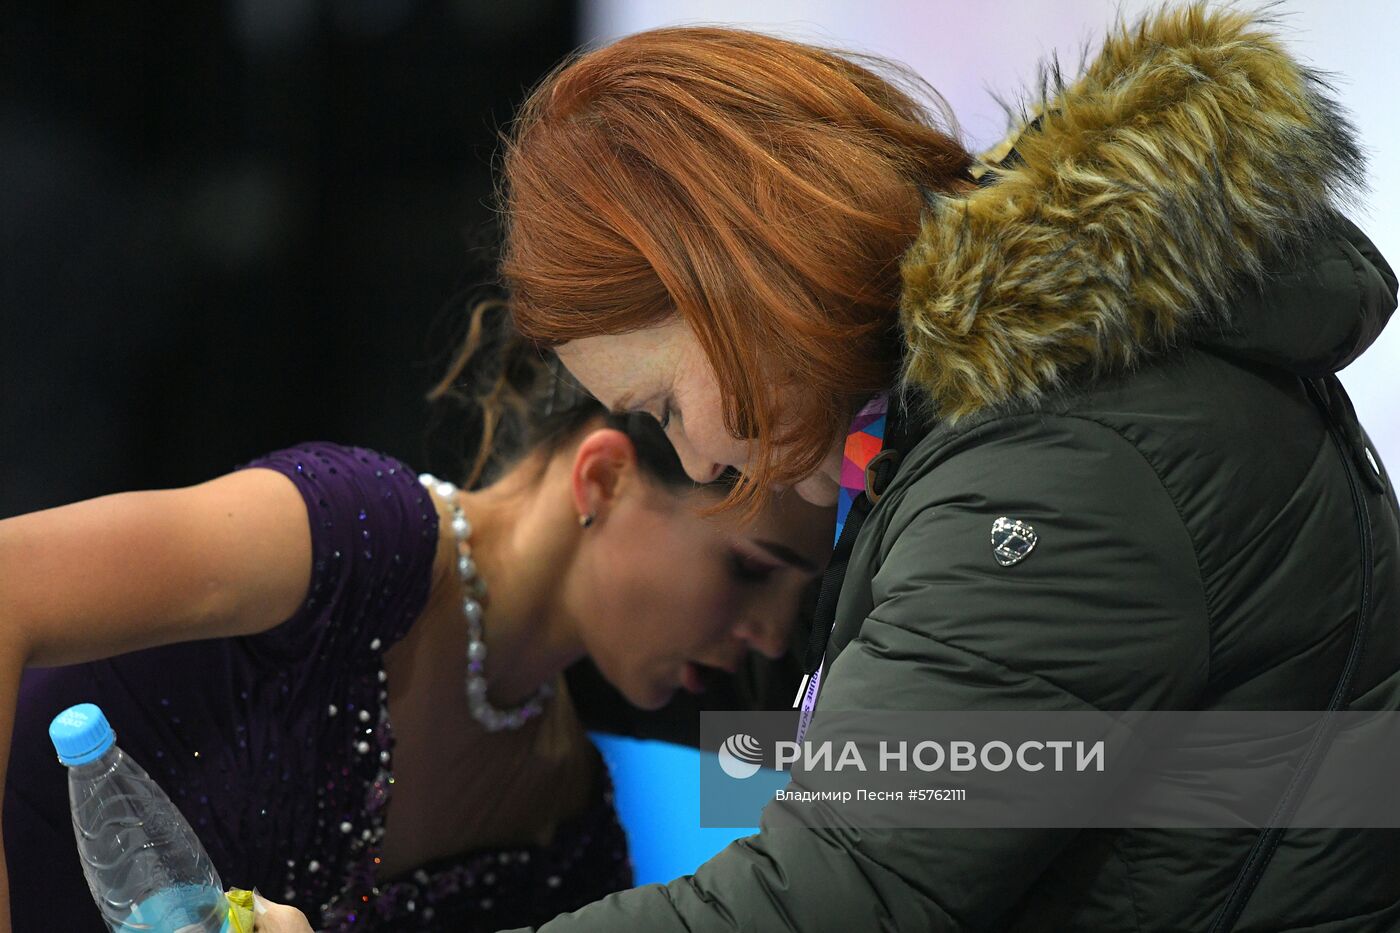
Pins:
x: 658, y: 800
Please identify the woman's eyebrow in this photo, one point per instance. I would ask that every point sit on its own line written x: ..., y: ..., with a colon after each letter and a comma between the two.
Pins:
x: 624, y: 403
x: 786, y: 554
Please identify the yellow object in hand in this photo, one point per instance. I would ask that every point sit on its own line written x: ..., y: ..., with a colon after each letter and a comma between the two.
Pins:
x: 240, y: 911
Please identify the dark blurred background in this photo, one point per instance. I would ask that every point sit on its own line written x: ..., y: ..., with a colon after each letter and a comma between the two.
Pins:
x: 232, y: 226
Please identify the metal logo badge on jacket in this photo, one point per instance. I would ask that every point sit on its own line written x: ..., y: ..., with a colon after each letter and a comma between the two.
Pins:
x: 1012, y: 540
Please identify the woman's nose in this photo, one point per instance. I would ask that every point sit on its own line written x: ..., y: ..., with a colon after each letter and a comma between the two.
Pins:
x: 697, y: 468
x: 767, y: 635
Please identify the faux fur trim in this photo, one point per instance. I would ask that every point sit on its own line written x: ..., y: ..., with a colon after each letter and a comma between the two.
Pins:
x: 1192, y: 147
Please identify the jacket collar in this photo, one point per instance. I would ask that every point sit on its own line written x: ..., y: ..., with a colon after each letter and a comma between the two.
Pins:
x: 1138, y: 202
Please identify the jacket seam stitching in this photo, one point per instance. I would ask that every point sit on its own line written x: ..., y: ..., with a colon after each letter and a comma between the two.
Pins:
x: 1206, y: 600
x: 1119, y: 846
x: 872, y: 616
x: 1351, y: 255
x: 1313, y: 462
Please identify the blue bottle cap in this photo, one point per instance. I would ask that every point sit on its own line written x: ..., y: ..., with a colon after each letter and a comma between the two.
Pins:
x: 81, y: 734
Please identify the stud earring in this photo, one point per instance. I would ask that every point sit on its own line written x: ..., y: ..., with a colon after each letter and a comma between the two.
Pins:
x: 585, y: 521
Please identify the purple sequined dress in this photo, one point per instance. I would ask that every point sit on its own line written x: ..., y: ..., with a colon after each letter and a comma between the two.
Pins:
x: 278, y: 748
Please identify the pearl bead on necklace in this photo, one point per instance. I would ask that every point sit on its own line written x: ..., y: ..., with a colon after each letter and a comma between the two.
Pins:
x: 474, y: 589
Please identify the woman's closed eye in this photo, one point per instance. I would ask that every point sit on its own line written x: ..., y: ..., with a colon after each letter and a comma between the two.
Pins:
x: 664, y: 418
x: 747, y: 570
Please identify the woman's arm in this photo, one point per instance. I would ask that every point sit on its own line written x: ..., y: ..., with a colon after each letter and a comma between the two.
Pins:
x: 134, y: 570
x: 10, y: 667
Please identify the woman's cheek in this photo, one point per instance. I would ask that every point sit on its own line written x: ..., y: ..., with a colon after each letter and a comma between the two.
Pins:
x: 718, y: 613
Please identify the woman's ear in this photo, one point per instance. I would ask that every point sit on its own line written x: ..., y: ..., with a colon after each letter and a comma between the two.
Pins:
x: 604, y: 463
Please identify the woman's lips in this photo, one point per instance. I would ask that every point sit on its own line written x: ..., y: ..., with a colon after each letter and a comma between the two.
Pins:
x: 691, y: 678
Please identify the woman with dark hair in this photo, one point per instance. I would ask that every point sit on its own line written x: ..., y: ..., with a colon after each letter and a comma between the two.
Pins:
x: 1118, y: 473
x: 391, y: 745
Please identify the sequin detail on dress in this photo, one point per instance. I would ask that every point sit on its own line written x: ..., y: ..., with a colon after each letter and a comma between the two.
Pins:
x: 479, y: 890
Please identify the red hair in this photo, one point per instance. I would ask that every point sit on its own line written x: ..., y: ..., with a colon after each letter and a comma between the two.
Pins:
x: 762, y: 189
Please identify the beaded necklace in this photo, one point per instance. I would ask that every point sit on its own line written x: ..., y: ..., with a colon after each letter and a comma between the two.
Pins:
x: 474, y: 588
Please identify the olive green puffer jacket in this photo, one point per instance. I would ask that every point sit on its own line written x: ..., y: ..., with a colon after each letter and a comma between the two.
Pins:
x: 1113, y: 332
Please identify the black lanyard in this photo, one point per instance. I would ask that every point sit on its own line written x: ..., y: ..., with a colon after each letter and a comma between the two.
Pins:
x: 879, y: 473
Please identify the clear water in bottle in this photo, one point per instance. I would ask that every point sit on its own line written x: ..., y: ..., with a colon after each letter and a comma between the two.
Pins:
x: 146, y: 868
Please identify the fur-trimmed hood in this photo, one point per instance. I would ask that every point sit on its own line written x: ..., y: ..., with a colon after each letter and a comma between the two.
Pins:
x: 1139, y: 208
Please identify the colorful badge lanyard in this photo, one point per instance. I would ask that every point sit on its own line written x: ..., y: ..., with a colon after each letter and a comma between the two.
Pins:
x: 864, y: 440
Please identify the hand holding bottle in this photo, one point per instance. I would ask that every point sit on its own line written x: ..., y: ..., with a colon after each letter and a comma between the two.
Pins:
x: 278, y: 918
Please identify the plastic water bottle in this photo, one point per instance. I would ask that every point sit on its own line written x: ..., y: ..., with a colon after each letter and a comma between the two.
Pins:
x: 144, y: 865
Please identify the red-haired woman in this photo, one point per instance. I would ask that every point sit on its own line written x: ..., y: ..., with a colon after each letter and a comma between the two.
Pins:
x: 1127, y: 477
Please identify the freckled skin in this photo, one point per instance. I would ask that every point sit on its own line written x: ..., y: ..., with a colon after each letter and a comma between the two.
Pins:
x: 644, y: 368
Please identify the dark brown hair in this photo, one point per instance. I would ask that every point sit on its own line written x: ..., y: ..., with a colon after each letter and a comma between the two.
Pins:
x: 762, y: 189
x: 518, y: 403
